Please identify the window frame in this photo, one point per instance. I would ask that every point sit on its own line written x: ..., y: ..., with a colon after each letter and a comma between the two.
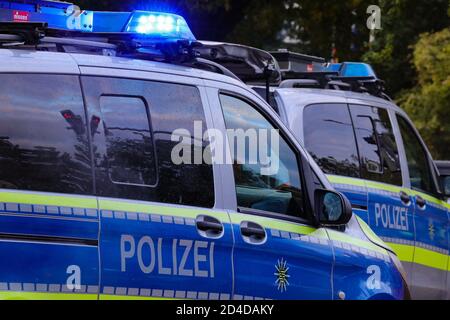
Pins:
x: 393, y: 126
x: 436, y: 193
x: 298, y: 154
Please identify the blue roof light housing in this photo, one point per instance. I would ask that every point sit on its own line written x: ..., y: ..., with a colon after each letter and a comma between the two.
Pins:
x: 352, y: 69
x: 357, y: 69
x: 159, y: 25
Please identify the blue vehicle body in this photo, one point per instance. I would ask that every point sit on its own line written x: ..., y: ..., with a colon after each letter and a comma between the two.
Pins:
x: 413, y: 222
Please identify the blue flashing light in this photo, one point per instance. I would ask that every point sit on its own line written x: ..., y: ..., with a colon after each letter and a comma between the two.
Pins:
x: 357, y: 69
x: 159, y: 25
x: 333, y: 67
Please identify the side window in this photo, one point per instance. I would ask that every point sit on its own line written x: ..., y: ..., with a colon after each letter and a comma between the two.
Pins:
x: 418, y: 164
x: 252, y: 138
x: 376, y: 142
x: 43, y: 137
x: 330, y: 139
x: 134, y: 143
x: 129, y: 141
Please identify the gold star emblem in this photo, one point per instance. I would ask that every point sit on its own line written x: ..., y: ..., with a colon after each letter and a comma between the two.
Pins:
x: 282, y: 275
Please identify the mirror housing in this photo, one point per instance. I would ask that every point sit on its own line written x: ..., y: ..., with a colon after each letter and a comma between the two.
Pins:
x: 332, y: 208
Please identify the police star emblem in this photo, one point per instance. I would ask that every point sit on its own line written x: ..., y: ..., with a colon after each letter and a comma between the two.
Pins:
x: 282, y: 275
x: 431, y: 230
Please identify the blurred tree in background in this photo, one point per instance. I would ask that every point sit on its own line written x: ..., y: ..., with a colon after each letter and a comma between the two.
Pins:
x: 402, y: 23
x: 428, y: 103
x: 326, y: 26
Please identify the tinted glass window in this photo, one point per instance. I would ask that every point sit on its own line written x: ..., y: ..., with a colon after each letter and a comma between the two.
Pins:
x: 418, y: 165
x: 129, y: 141
x: 330, y: 139
x: 43, y: 138
x: 278, y: 190
x: 133, y: 141
x: 376, y: 142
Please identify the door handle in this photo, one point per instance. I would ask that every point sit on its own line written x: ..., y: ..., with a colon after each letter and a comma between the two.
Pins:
x: 405, y: 198
x: 421, y: 202
x: 253, y: 233
x: 209, y: 227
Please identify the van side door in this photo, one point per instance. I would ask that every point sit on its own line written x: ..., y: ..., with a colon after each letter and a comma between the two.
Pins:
x: 48, y: 215
x: 277, y: 253
x: 431, y: 219
x: 162, y: 235
x: 391, y: 210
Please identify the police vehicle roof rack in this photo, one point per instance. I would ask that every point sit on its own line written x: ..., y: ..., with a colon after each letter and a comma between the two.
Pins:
x: 251, y: 65
x: 297, y: 62
x: 139, y: 34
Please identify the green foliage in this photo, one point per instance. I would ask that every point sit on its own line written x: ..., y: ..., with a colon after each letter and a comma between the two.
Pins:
x: 428, y: 104
x: 402, y: 23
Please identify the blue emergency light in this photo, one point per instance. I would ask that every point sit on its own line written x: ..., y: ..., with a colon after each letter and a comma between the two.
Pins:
x: 66, y: 16
x: 159, y: 24
x: 357, y: 69
x: 352, y: 69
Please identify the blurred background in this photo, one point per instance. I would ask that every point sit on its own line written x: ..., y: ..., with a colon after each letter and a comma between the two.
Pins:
x: 411, y: 51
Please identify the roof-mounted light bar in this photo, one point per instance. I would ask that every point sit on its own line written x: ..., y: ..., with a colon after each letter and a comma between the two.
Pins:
x: 160, y: 25
x: 66, y: 16
x: 352, y: 69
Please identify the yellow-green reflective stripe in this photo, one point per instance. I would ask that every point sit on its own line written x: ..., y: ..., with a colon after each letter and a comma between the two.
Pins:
x: 113, y: 205
x: 421, y: 256
x: 48, y: 199
x: 114, y: 297
x: 431, y: 258
x: 404, y: 252
x: 346, y: 180
x: 338, y: 236
x: 370, y: 234
x: 9, y: 295
x: 281, y: 225
x: 367, y: 183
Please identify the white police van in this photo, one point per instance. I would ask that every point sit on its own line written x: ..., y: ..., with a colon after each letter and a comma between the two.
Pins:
x: 366, y: 145
x: 93, y: 205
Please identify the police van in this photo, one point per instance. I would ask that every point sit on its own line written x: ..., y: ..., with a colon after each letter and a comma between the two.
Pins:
x: 368, y: 148
x: 93, y: 206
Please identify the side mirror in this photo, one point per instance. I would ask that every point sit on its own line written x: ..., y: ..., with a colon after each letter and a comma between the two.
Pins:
x: 333, y: 208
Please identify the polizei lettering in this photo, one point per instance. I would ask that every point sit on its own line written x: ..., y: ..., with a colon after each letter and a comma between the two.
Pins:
x: 391, y: 217
x: 171, y: 257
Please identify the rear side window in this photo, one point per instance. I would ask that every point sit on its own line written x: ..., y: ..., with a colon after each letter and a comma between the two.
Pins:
x: 129, y: 141
x: 330, y: 139
x: 418, y: 164
x: 43, y: 137
x: 133, y: 141
x: 376, y: 142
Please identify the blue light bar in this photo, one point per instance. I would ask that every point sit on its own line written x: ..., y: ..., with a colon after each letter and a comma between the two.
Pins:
x: 64, y: 15
x: 159, y: 25
x: 357, y: 69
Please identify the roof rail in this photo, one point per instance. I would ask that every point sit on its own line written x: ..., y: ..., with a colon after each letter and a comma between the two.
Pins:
x: 297, y: 62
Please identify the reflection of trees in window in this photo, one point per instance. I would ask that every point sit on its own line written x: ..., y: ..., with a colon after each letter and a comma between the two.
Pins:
x: 346, y: 167
x: 130, y: 155
x: 45, y: 168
